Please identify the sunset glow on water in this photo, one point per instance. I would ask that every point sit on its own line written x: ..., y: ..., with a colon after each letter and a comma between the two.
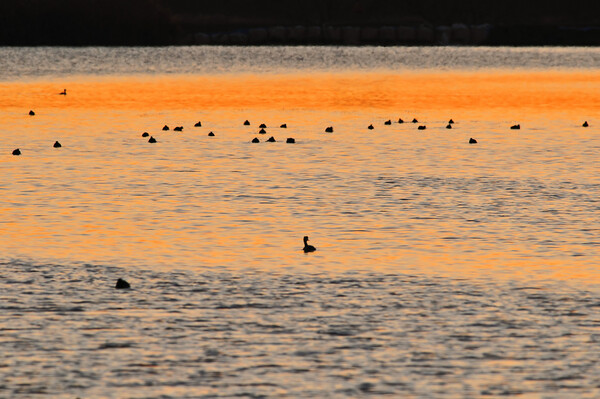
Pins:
x: 210, y: 228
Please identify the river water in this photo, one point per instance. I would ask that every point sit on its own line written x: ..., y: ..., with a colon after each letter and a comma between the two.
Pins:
x: 443, y: 268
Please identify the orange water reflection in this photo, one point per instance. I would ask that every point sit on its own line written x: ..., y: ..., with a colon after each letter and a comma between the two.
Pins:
x: 109, y: 198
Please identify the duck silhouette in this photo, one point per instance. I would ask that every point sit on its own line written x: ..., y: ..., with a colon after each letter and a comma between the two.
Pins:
x: 16, y: 152
x: 472, y: 141
x: 585, y: 124
x: 263, y: 126
x: 515, y: 127
x: 31, y: 113
x: 178, y: 129
x: 63, y: 93
x: 198, y: 124
x: 329, y: 129
x: 262, y: 131
x: 422, y: 127
x: 448, y: 126
x: 400, y: 120
x: 57, y: 144
x: 370, y: 127
x: 246, y: 123
x: 388, y: 122
x: 151, y: 140
x: 415, y: 120
x: 211, y: 134
x: 284, y: 126
x: 165, y: 127
x: 271, y: 139
x: 450, y: 121
x: 255, y: 140
x: 308, y: 248
x: 145, y: 134
x: 290, y: 140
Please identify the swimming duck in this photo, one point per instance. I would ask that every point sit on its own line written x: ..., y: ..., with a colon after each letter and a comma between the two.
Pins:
x: 308, y: 248
x: 329, y: 129
x: 448, y: 126
x: 422, y: 127
x: 31, y: 113
x: 271, y: 139
x: 262, y: 131
x: 246, y: 123
x: 165, y: 127
x: 370, y: 127
x: 415, y: 120
x: 472, y: 141
x: 255, y: 140
x: 450, y: 121
x: 211, y: 134
x: 284, y: 126
x: 57, y: 144
x: 585, y: 124
x: 290, y: 140
x: 145, y: 134
x: 151, y: 140
x: 122, y: 284
x: 16, y: 152
x: 63, y: 93
x: 388, y: 122
x: 198, y: 124
x: 263, y: 126
x: 178, y: 129
x: 400, y: 120
x: 515, y: 127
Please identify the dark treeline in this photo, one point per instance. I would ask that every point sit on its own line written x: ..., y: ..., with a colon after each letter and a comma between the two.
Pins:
x: 156, y: 22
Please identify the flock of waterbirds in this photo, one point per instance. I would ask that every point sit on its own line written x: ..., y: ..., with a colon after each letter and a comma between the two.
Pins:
x: 262, y: 127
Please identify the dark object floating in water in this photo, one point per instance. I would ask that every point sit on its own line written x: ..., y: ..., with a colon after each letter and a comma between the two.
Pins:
x: 262, y: 126
x: 448, y: 126
x: 450, y: 121
x: 284, y: 126
x: 262, y: 131
x: 122, y: 284
x: 515, y: 127
x: 329, y: 129
x: 165, y: 127
x: 308, y: 248
x: 388, y: 122
x: 198, y: 124
x: 211, y: 134
x: 255, y: 140
x: 178, y: 129
x: 145, y: 134
x: 370, y: 127
x: 271, y: 139
x: 247, y: 123
x: 422, y: 127
x: 16, y: 152
x: 31, y: 112
x: 400, y: 120
x: 472, y: 141
x: 585, y: 124
x: 151, y: 140
x: 57, y: 144
x: 415, y: 120
x: 290, y: 140
x: 63, y: 93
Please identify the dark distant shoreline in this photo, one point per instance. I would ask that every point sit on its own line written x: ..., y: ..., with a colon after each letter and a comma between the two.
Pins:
x: 289, y: 22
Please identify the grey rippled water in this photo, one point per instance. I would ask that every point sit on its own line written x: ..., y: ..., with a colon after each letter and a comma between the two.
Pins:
x: 66, y: 332
x: 21, y: 63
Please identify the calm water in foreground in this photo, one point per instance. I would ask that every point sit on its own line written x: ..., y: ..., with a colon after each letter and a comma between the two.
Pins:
x: 443, y: 269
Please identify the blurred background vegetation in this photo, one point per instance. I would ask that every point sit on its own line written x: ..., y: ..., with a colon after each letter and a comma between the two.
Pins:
x: 159, y: 22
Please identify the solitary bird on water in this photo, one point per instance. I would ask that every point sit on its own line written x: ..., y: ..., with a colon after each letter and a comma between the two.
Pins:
x: 308, y: 248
